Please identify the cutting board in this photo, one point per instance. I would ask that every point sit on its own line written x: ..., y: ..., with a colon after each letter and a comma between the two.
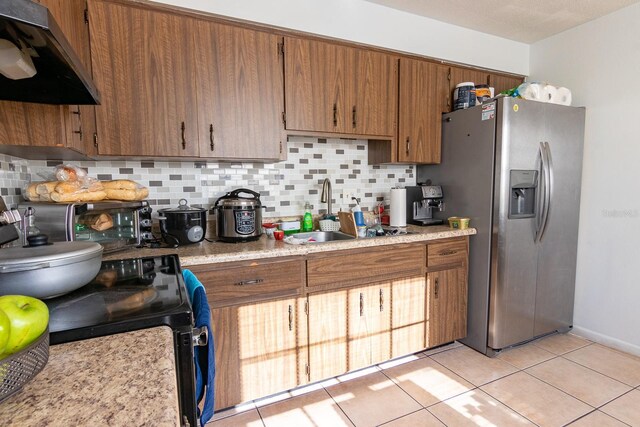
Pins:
x: 348, y: 223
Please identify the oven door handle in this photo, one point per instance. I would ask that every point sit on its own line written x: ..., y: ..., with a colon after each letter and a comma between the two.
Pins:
x: 200, y: 336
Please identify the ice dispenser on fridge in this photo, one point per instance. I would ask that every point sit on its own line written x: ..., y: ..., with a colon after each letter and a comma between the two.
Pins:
x: 523, y: 184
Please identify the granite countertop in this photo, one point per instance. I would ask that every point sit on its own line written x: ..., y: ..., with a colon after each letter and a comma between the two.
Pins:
x: 214, y: 252
x: 121, y: 379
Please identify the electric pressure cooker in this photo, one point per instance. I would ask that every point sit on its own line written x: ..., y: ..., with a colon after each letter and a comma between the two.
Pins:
x: 238, y: 219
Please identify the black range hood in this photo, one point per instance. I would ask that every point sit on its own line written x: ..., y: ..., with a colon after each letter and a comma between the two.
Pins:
x: 60, y: 76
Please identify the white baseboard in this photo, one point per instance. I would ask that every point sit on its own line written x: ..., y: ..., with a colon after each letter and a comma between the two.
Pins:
x: 606, y: 340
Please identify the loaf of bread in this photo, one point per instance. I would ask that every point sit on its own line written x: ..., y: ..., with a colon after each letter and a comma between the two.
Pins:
x: 127, y: 195
x: 85, y: 196
x: 121, y: 184
x: 31, y: 193
x: 70, y: 173
x: 44, y: 189
x: 125, y: 189
x: 98, y: 222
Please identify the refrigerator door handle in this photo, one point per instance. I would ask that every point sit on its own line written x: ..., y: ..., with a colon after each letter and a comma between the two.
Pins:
x: 541, y: 198
x: 548, y: 189
x: 545, y: 189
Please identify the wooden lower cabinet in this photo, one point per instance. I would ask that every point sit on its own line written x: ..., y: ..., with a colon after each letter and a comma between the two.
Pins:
x: 327, y: 315
x: 446, y: 306
x: 369, y: 337
x: 260, y: 349
x: 408, y: 320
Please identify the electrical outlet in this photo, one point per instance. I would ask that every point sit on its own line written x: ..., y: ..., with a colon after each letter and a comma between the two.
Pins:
x: 346, y: 196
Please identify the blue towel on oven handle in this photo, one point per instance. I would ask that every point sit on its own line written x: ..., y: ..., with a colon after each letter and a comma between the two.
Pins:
x: 204, y: 357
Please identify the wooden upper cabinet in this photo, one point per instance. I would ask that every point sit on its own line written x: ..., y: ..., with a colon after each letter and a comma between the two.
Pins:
x: 240, y: 92
x: 315, y: 92
x: 61, y: 126
x: 501, y: 82
x: 462, y: 75
x: 423, y: 96
x: 144, y: 65
x: 374, y: 110
x: 338, y: 89
x: 80, y: 120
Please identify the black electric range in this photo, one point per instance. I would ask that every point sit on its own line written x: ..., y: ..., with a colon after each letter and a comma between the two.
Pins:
x: 129, y: 295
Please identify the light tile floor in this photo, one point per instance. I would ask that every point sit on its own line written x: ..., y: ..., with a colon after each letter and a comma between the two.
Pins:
x: 555, y: 381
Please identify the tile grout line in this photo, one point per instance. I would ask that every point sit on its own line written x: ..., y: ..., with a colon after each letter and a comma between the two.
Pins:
x: 601, y: 373
x: 555, y: 356
x: 483, y: 391
x: 599, y: 408
x: 562, y: 391
x: 338, y: 405
x: 402, y: 416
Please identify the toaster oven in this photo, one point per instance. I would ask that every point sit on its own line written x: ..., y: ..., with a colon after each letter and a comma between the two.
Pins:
x: 115, y: 225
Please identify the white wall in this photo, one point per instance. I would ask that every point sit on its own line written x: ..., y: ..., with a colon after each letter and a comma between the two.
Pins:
x: 600, y: 62
x: 365, y: 22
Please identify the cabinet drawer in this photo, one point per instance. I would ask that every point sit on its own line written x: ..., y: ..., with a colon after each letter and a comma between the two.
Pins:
x: 448, y: 253
x: 250, y: 281
x: 342, y: 268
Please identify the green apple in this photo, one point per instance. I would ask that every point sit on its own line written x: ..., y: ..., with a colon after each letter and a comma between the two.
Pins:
x: 29, y: 318
x: 5, y: 328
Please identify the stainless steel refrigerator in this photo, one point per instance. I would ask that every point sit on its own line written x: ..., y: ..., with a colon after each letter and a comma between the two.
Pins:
x: 514, y: 167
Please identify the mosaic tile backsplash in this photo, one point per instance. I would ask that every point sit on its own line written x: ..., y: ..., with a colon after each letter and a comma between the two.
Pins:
x: 284, y: 187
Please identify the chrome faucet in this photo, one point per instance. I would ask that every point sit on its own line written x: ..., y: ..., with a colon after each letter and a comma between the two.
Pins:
x: 325, y: 197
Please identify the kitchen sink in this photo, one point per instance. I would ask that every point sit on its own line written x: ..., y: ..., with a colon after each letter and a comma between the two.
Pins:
x: 323, y: 236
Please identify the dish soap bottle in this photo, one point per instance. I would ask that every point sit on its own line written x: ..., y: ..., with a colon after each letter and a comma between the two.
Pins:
x: 307, y: 220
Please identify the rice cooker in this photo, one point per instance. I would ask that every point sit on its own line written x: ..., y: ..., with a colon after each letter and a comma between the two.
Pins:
x: 238, y: 218
x: 183, y: 225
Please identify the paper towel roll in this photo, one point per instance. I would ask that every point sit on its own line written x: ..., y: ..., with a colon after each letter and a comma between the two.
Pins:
x: 562, y: 96
x: 549, y: 92
x: 531, y: 91
x: 398, y: 215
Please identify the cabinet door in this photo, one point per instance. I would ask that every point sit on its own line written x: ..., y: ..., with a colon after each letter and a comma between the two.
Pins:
x: 257, y: 350
x: 143, y: 63
x: 501, y: 83
x: 41, y: 125
x: 240, y: 80
x: 80, y: 120
x: 461, y: 75
x: 327, y: 313
x: 315, y: 85
x: 447, y: 306
x: 408, y: 323
x: 422, y: 98
x: 369, y: 325
x: 374, y: 109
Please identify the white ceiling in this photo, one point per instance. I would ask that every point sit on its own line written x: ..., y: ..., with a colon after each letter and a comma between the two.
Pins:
x: 526, y: 21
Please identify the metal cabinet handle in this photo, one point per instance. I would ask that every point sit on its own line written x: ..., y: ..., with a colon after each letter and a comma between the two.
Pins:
x: 211, y: 143
x: 79, y: 131
x: 335, y: 115
x: 445, y: 253
x: 290, y: 318
x: 408, y: 145
x: 354, y: 117
x: 184, y: 141
x: 381, y: 300
x: 361, y: 305
x: 437, y: 288
x: 249, y: 282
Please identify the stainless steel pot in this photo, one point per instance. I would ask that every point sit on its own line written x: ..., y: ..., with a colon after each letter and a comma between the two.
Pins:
x: 44, y: 270
x: 238, y: 219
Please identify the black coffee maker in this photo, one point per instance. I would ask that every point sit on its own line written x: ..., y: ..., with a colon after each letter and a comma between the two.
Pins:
x: 422, y: 202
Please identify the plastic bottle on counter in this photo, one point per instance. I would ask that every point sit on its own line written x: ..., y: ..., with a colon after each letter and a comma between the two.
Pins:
x: 307, y: 220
